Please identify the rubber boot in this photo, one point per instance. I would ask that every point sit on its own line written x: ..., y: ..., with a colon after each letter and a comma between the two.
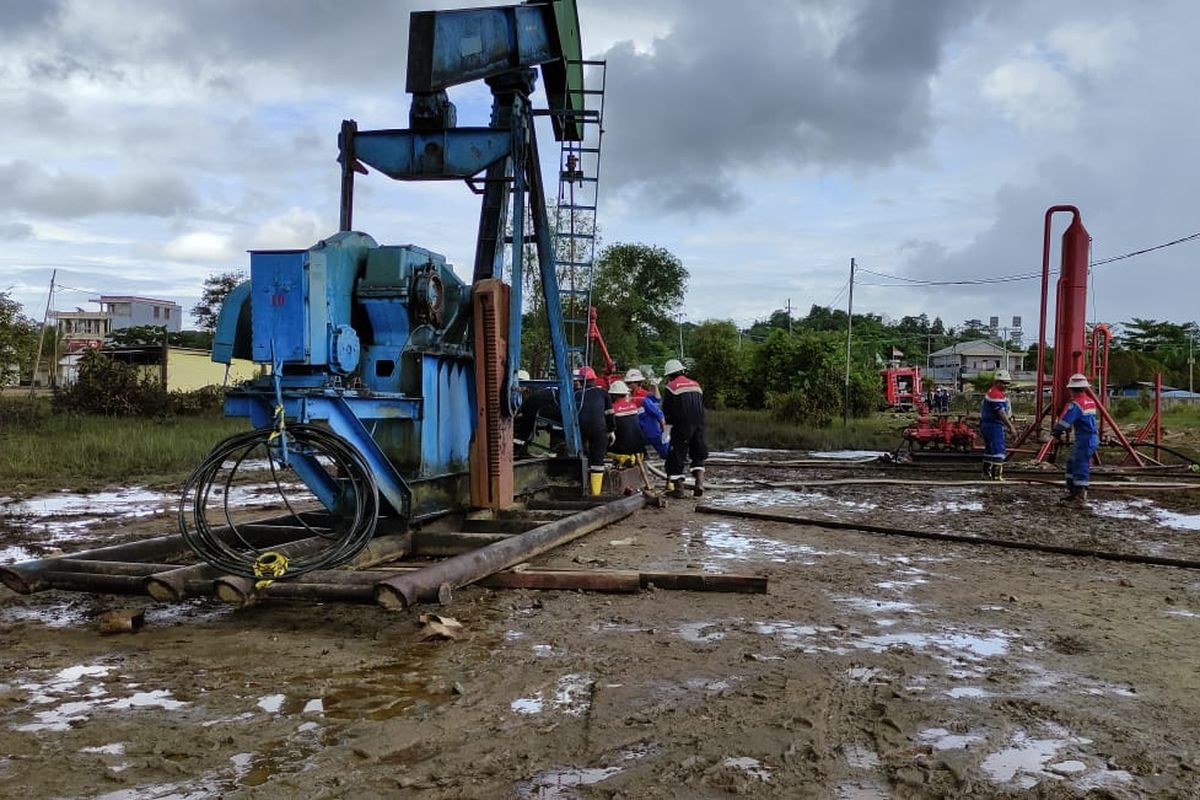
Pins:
x: 998, y: 473
x: 989, y: 471
x: 674, y: 488
x: 698, y: 478
x: 1081, y: 498
x: 596, y: 482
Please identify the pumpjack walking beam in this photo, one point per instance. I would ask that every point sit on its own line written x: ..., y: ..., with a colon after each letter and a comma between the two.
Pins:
x: 501, y: 46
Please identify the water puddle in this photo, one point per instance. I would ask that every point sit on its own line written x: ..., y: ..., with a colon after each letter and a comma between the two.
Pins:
x: 972, y: 692
x: 572, y: 696
x: 723, y: 541
x: 942, y: 739
x: 848, y: 455
x: 1027, y: 761
x: 700, y: 632
x: 60, y: 518
x: 750, y: 766
x: 1181, y: 612
x: 861, y: 757
x: 770, y: 498
x: 71, y: 696
x: 272, y: 703
x: 380, y: 693
x: 959, y: 646
x: 81, y: 611
x: 869, y: 605
x: 1146, y: 511
x: 562, y: 783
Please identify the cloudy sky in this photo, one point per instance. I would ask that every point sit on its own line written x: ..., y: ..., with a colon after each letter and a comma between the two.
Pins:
x: 146, y: 144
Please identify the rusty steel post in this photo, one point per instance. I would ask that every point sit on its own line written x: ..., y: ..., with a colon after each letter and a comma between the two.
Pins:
x: 438, y: 580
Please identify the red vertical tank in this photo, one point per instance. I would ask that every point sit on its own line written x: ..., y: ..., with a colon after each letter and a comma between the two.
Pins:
x: 1070, y: 336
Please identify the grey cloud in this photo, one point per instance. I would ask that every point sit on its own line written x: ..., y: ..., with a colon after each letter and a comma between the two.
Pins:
x: 14, y: 231
x: 27, y: 187
x: 22, y: 15
x: 756, y: 86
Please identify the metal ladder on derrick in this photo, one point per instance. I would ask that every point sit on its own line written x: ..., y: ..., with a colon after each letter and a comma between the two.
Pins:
x: 575, y: 215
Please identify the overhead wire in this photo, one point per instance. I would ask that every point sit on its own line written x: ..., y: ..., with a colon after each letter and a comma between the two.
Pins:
x: 1024, y: 276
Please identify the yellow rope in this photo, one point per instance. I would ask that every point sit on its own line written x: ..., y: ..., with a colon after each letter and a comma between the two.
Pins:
x: 269, y: 566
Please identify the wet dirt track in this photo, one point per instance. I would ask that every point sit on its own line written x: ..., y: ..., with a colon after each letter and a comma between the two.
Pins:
x: 875, y: 667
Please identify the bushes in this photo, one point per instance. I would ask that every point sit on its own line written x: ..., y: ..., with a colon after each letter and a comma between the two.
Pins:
x: 112, y: 388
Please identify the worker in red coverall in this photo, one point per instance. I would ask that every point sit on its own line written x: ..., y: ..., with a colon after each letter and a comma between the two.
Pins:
x: 683, y: 409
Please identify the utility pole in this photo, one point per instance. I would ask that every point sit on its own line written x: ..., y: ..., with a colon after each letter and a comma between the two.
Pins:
x: 849, y: 329
x: 37, y: 361
x: 789, y: 306
x: 1191, y: 361
x: 681, y: 336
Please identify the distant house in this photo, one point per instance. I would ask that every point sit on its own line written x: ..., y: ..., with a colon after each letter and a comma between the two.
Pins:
x: 126, y: 311
x: 83, y: 330
x: 185, y: 368
x: 1146, y: 389
x: 960, y: 363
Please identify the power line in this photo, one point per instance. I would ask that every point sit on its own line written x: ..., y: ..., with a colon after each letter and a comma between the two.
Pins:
x: 912, y: 282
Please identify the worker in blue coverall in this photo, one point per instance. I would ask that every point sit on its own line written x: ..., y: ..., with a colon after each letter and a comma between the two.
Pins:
x: 995, y: 419
x: 652, y: 420
x: 1079, y: 416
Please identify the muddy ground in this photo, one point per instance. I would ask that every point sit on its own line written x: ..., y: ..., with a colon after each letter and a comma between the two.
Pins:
x: 875, y: 667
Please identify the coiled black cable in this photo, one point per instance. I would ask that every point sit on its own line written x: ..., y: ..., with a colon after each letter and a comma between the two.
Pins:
x: 227, y: 549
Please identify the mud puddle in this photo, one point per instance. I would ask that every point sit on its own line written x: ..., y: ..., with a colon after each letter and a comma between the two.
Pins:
x: 55, y: 521
x: 1027, y: 760
x: 1143, y: 510
x: 71, y: 697
x: 564, y: 782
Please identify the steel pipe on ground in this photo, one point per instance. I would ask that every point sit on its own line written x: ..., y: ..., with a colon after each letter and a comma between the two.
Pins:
x: 438, y: 580
x: 23, y: 578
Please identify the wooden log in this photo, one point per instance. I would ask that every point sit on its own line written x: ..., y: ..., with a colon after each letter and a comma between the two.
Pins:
x: 562, y: 505
x: 438, y: 580
x: 705, y: 582
x: 497, y: 525
x: 440, y: 544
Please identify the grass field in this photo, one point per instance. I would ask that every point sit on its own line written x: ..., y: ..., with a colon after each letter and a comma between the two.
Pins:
x: 40, y: 450
x: 728, y: 428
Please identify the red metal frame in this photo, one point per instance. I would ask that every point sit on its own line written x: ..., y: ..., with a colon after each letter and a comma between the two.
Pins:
x: 1098, y: 373
x: 1070, y: 323
x: 610, y: 369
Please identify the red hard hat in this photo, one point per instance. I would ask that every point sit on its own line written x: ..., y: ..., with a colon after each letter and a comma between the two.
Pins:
x: 586, y: 374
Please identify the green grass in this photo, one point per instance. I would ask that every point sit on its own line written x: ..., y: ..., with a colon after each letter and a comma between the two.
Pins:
x: 729, y: 428
x: 42, y: 450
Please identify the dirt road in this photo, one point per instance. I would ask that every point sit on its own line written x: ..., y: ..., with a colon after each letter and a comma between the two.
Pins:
x: 874, y: 668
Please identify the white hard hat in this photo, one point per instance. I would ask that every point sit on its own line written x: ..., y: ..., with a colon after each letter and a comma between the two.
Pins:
x: 672, y: 366
x: 1002, y: 375
x: 1078, y: 381
x: 618, y: 387
x: 522, y: 374
x: 634, y: 374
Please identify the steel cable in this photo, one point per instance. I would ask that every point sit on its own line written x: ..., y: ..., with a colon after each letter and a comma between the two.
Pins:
x: 227, y: 549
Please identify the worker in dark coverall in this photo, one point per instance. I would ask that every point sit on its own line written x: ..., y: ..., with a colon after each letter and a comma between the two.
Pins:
x: 595, y: 424
x: 994, y: 419
x: 683, y: 409
x: 1080, y: 416
x: 627, y: 415
x: 538, y: 407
